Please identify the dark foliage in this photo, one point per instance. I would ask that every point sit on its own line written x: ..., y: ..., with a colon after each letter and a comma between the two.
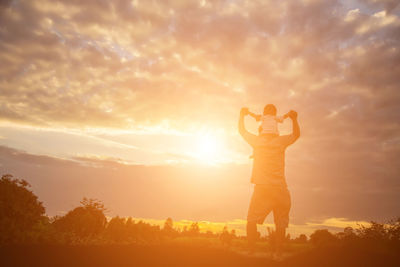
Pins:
x: 87, y: 221
x: 127, y: 231
x: 20, y: 211
x: 322, y: 238
x: 301, y: 239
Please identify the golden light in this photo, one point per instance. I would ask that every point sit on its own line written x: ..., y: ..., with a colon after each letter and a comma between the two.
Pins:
x: 207, y: 148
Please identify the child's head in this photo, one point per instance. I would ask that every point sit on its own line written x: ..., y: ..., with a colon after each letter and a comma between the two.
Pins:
x: 270, y: 109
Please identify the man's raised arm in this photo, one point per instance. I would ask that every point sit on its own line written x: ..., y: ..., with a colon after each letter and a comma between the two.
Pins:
x: 295, y: 125
x: 249, y: 137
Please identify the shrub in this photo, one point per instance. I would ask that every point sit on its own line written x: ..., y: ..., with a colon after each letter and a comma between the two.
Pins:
x: 322, y: 238
x: 20, y: 210
x: 84, y: 222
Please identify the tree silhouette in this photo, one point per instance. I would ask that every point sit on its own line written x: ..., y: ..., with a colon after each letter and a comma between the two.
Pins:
x: 20, y: 210
x: 168, y: 224
x: 348, y: 235
x: 194, y: 229
x: 226, y: 237
x: 322, y: 238
x: 117, y: 230
x: 394, y: 231
x: 168, y: 229
x: 301, y: 239
x: 85, y: 221
x: 380, y: 235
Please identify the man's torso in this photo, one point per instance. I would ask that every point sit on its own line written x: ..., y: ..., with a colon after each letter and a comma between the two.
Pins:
x: 269, y: 161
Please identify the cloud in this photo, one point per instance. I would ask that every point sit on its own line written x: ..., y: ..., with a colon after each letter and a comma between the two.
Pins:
x: 200, y: 193
x: 181, y: 66
x: 113, y: 64
x: 339, y: 223
x: 389, y: 5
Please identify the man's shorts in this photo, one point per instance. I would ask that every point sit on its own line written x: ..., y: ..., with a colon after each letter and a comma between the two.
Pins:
x: 269, y: 198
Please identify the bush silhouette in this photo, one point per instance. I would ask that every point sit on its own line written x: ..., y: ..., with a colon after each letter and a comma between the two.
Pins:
x: 322, y: 238
x: 194, y: 229
x: 301, y: 239
x: 380, y: 236
x: 117, y: 230
x: 168, y: 229
x: 226, y: 237
x: 85, y: 221
x: 20, y: 210
x: 394, y: 231
x: 168, y: 224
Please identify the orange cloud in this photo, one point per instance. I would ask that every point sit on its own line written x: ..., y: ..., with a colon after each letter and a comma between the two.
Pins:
x: 136, y: 80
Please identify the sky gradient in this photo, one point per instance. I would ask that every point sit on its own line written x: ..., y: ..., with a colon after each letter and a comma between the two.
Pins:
x: 136, y: 103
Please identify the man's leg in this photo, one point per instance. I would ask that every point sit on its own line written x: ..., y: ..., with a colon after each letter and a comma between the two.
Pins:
x: 280, y: 233
x: 256, y: 214
x: 281, y: 218
x: 251, y: 234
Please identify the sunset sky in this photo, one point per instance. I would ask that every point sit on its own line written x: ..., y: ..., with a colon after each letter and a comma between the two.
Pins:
x: 136, y: 103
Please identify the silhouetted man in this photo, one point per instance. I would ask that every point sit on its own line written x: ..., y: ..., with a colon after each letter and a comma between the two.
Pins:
x: 268, y: 175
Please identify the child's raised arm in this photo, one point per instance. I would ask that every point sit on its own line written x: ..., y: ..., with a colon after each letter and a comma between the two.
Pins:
x: 255, y: 116
x: 286, y: 115
x: 282, y: 118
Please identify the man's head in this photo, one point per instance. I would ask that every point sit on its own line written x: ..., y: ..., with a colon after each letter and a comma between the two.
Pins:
x: 270, y: 109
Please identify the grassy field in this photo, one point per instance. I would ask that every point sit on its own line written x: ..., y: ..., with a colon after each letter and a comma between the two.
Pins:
x: 185, y: 253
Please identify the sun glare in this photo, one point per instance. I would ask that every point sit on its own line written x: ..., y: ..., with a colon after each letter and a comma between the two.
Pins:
x: 207, y: 148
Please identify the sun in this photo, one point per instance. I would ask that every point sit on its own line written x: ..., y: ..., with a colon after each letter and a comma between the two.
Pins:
x: 208, y: 149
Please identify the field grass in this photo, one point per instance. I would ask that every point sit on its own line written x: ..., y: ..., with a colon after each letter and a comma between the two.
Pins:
x: 184, y: 252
